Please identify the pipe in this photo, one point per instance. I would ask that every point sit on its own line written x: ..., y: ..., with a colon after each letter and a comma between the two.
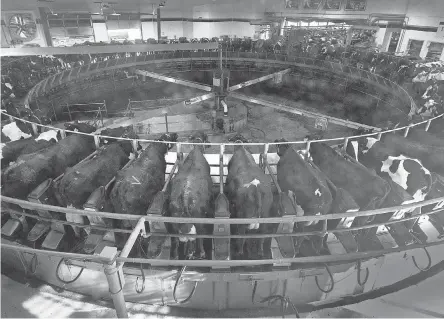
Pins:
x: 225, y: 107
x: 140, y: 226
x: 116, y: 289
x: 185, y: 220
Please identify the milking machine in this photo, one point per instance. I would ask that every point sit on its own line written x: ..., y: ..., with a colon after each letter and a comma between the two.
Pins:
x: 45, y: 194
x: 159, y: 247
x: 97, y: 238
x: 15, y: 224
x: 397, y: 234
x: 221, y: 246
x: 283, y: 246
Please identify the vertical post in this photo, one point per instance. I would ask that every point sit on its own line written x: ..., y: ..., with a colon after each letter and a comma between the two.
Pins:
x: 379, y: 136
x: 159, y: 31
x: 116, y: 289
x: 97, y: 141
x: 53, y: 110
x: 106, y: 109
x: 134, y: 143
x: 34, y: 129
x: 428, y: 125
x: 62, y: 133
x: 221, y: 169
x: 166, y: 121
x: 345, y: 144
x: 69, y: 112
x: 406, y: 132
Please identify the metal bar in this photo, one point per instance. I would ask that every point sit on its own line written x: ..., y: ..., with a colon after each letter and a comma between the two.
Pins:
x: 299, y: 260
x: 95, y: 258
x: 272, y: 175
x: 174, y: 80
x: 303, y: 112
x: 254, y: 81
x: 170, y: 176
x: 107, y: 49
x: 300, y: 234
x: 139, y: 229
x: 38, y: 206
x: 221, y: 169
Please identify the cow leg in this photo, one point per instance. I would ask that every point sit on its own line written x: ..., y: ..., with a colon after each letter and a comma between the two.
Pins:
x: 239, y: 242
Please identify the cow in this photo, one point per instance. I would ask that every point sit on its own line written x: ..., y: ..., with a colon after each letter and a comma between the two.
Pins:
x: 137, y: 184
x: 12, y: 132
x: 407, y: 172
x: 303, y: 183
x: 191, y: 195
x: 249, y: 191
x: 431, y: 157
x: 12, y: 150
x: 121, y: 131
x: 30, y: 170
x: 367, y: 189
x: 79, y: 181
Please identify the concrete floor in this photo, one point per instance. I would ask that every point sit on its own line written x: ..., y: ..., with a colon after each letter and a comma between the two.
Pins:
x: 21, y: 299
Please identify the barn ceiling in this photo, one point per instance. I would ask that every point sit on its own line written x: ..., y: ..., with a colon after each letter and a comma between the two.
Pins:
x: 210, y: 6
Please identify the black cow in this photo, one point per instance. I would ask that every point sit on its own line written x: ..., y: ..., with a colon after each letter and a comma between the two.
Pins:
x: 12, y: 150
x: 303, y: 183
x: 367, y: 189
x: 81, y: 180
x: 191, y: 194
x: 249, y: 190
x: 137, y: 184
x: 31, y: 170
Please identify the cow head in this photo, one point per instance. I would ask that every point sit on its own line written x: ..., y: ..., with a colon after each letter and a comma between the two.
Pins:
x: 199, y: 137
x: 238, y: 138
x: 170, y: 137
x: 282, y: 148
x: 80, y: 127
x: 360, y: 146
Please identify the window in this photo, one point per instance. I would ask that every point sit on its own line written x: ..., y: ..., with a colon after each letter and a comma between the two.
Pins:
x: 414, y: 47
x: 67, y: 29
x: 435, y: 50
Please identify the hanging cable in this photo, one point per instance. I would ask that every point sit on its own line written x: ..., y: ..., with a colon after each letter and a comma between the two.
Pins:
x: 367, y: 272
x: 285, y: 301
x: 179, y: 275
x: 67, y: 281
x: 331, y: 279
x: 429, y: 261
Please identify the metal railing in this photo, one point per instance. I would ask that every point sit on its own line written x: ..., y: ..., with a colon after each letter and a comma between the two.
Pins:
x: 353, y: 72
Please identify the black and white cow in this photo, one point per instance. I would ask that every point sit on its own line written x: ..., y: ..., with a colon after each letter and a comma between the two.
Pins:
x: 249, y: 190
x: 407, y: 172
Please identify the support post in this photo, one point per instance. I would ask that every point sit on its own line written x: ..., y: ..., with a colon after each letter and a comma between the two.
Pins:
x: 115, y: 285
x: 166, y: 122
x: 53, y: 110
x: 428, y: 125
x: 159, y: 31
x: 69, y: 112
